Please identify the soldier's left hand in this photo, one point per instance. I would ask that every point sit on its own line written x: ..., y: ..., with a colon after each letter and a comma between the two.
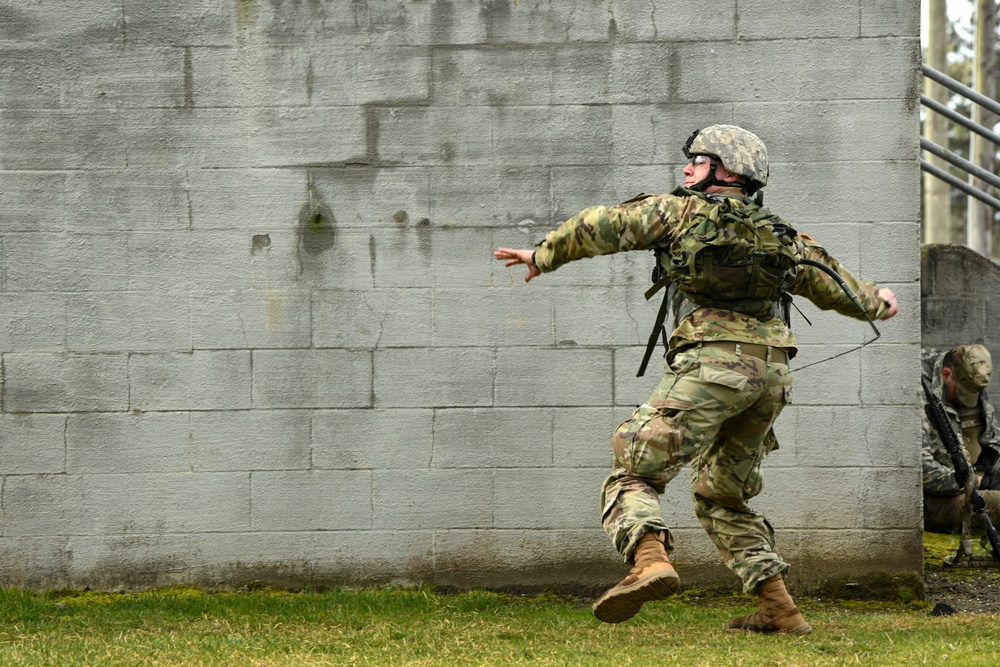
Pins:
x: 886, y: 295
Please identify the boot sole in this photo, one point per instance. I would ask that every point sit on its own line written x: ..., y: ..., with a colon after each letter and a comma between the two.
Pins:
x: 623, y: 602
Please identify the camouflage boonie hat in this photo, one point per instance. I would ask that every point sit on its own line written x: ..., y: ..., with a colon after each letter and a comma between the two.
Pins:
x: 973, y: 367
x: 741, y: 151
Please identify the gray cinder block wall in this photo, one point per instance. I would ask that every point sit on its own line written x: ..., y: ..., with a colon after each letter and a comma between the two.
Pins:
x: 960, y: 300
x: 251, y: 327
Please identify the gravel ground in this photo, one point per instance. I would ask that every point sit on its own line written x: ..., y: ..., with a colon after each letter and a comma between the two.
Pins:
x: 975, y: 591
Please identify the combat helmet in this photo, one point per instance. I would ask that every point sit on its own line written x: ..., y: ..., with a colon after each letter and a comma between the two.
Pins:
x: 738, y: 150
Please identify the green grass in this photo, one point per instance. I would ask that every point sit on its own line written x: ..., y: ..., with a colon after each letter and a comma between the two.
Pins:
x: 418, y: 626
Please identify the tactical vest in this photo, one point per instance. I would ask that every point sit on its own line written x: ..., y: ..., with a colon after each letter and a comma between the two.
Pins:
x: 732, y: 255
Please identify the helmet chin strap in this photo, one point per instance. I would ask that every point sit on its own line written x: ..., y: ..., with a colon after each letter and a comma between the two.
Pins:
x: 711, y: 180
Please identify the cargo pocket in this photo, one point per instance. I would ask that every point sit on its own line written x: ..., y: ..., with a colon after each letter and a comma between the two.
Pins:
x: 724, y: 376
x: 647, y: 442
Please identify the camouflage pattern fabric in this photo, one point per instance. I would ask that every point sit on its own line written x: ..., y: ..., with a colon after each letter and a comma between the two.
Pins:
x: 945, y: 514
x: 938, y: 471
x: 740, y: 151
x: 714, y: 411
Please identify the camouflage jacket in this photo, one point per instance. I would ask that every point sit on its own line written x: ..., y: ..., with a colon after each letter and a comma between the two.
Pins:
x: 938, y: 471
x: 657, y: 221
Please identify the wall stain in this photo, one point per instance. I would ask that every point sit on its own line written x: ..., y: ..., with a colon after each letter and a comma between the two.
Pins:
x: 316, y: 224
x: 260, y: 242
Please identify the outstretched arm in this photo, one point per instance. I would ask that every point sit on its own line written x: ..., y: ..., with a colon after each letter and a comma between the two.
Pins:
x: 519, y: 256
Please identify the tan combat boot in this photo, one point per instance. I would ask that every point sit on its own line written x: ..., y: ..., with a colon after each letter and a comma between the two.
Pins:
x: 652, y: 578
x: 778, y: 612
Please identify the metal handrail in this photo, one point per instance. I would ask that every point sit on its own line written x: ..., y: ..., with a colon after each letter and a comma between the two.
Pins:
x: 956, y: 160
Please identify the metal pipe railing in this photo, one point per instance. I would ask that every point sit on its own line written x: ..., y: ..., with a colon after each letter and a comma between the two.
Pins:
x: 960, y: 88
x: 956, y: 117
x: 992, y: 202
x: 950, y: 157
x: 960, y: 162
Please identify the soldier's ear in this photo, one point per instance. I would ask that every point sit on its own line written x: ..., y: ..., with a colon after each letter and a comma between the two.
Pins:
x: 946, y: 373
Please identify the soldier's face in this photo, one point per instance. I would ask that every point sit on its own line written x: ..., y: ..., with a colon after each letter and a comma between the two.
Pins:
x: 697, y: 170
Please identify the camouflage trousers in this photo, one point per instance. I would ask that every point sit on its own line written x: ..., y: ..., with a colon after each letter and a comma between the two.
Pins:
x: 714, y: 411
x: 944, y: 514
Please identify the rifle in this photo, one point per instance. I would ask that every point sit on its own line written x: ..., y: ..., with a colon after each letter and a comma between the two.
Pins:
x: 939, y: 419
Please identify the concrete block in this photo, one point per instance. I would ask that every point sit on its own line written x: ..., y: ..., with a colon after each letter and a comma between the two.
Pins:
x: 630, y: 390
x: 48, y: 382
x: 493, y: 438
x: 322, y: 260
x: 763, y: 20
x: 832, y: 381
x: 513, y: 23
x: 199, y: 380
x: 312, y: 379
x: 794, y: 64
x: 65, y: 262
x: 234, y: 199
x: 498, y: 77
x: 896, y: 18
x: 311, y: 500
x: 652, y: 134
x: 582, y: 73
x: 830, y: 552
x: 951, y: 320
x: 33, y: 322
x: 534, y: 558
x: 862, y: 130
x: 581, y: 437
x: 37, y: 139
x: 431, y: 377
x: 590, y: 317
x: 879, y: 192
x: 129, y: 322
x: 145, y: 201
x: 33, y: 202
x: 890, y: 252
x: 131, y: 78
x: 278, y: 559
x: 409, y: 136
x: 640, y: 21
x: 891, y: 498
x: 65, y: 505
x: 856, y: 436
x: 32, y: 444
x: 420, y: 499
x: 260, y: 76
x: 127, y: 443
x: 652, y: 83
x: 222, y: 441
x: 496, y: 317
x: 372, y: 439
x: 557, y: 135
x: 192, y: 23
x: 369, y: 75
x: 890, y: 374
x: 31, y: 78
x: 434, y: 256
x: 221, y: 138
x: 813, y: 489
x: 35, y: 563
x: 373, y: 198
x: 261, y: 317
x: 550, y: 498
x: 556, y: 377
x: 212, y: 261
x: 63, y: 24
x: 189, y: 502
x: 374, y: 318
x: 489, y: 196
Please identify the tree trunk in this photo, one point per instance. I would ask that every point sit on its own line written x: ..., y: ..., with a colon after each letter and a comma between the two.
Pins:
x: 979, y: 232
x: 937, y: 227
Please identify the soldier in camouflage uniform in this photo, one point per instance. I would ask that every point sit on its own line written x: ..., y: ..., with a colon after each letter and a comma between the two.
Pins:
x: 727, y: 380
x: 960, y: 377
